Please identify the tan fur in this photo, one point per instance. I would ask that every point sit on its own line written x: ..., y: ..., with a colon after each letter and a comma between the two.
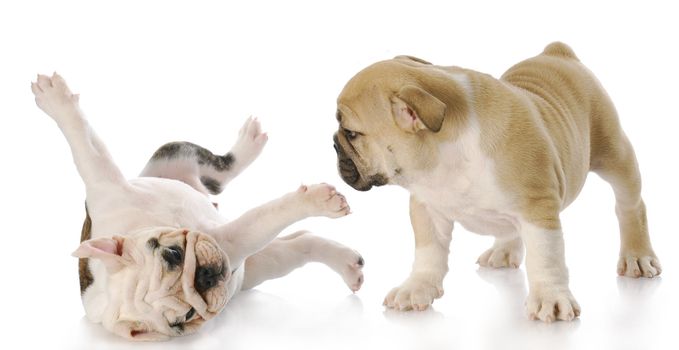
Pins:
x: 546, y: 122
x: 543, y: 126
x: 84, y: 273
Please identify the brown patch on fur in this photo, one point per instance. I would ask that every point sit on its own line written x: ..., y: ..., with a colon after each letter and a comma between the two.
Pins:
x: 86, y: 278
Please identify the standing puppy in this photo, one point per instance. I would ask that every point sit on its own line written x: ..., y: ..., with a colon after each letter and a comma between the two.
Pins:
x: 157, y: 259
x: 501, y: 157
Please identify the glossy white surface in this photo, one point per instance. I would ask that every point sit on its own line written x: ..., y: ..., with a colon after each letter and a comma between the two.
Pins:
x: 149, y: 73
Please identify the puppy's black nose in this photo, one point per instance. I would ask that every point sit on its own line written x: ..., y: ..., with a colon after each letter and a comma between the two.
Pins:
x: 334, y: 145
x: 207, y: 277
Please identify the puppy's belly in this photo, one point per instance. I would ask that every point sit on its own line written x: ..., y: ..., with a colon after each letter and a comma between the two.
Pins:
x: 488, y: 222
x: 152, y: 202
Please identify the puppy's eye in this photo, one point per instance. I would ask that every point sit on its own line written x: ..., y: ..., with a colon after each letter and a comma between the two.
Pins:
x: 173, y: 256
x: 350, y: 134
x: 189, y: 315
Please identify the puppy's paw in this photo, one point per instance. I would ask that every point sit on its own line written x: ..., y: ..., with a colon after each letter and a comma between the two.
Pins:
x: 416, y: 293
x: 639, y: 265
x: 350, y: 267
x: 506, y: 254
x: 324, y: 200
x: 53, y: 96
x: 251, y: 141
x: 549, y: 304
x: 347, y: 262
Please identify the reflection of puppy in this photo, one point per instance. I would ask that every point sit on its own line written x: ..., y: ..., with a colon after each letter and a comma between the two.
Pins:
x: 157, y: 260
x: 501, y: 157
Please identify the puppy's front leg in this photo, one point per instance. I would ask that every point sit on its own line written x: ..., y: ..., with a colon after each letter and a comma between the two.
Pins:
x: 549, y: 297
x: 432, y: 240
x: 252, y: 231
x: 95, y: 165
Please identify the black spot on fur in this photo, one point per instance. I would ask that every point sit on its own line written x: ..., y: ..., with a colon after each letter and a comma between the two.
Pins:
x: 190, y: 150
x: 178, y: 327
x: 211, y: 184
x: 167, y: 151
x: 153, y: 243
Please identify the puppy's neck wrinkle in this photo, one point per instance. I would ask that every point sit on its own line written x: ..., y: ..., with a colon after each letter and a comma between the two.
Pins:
x: 86, y: 278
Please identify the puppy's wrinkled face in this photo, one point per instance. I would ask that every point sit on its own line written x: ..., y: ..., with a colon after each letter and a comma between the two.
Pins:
x: 160, y: 282
x: 386, y: 120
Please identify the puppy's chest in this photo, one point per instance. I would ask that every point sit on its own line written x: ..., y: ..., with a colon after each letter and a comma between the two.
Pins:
x: 463, y: 188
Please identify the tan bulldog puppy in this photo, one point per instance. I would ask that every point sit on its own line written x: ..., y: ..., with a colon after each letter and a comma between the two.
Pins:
x: 499, y: 156
x: 157, y: 259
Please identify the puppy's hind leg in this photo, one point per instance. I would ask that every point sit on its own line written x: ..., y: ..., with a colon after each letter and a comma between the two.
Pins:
x: 285, y: 254
x: 200, y: 168
x: 94, y: 164
x: 619, y: 168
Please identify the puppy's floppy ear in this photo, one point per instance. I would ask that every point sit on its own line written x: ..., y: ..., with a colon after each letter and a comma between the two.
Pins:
x: 415, y: 109
x: 108, y: 250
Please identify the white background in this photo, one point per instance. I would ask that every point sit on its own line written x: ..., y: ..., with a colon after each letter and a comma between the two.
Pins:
x: 152, y: 72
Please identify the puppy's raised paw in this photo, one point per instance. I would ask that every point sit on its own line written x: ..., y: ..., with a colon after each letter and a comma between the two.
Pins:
x: 324, y: 200
x: 351, y: 269
x: 53, y: 96
x: 251, y: 141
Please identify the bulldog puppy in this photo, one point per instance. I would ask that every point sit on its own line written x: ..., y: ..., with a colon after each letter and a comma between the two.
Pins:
x: 157, y: 260
x: 499, y: 156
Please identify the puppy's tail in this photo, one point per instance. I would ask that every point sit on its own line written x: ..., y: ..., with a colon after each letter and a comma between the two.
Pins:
x: 560, y: 49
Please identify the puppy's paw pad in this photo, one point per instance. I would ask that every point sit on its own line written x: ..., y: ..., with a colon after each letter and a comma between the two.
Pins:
x: 251, y: 129
x: 251, y: 141
x: 353, y: 278
x: 53, y: 96
x: 550, y: 306
x: 325, y: 200
x: 414, y: 294
x: 639, y: 265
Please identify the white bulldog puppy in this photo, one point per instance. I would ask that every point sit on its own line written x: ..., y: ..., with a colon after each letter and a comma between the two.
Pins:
x: 156, y: 258
x: 499, y: 156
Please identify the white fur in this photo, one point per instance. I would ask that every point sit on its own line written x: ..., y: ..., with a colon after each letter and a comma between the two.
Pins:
x: 463, y: 187
x: 133, y: 294
x: 547, y: 275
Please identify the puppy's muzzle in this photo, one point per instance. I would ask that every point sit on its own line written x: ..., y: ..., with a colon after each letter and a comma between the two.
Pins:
x: 208, y: 276
x: 206, y: 272
x: 349, y: 171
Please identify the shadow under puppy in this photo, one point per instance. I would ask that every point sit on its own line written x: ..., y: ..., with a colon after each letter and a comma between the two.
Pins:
x: 157, y: 259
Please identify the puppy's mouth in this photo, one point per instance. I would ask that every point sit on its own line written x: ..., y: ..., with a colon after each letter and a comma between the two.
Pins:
x: 206, y: 271
x: 350, y: 174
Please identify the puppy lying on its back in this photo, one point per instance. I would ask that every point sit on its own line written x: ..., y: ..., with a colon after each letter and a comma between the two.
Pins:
x: 159, y: 260
x: 501, y: 157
